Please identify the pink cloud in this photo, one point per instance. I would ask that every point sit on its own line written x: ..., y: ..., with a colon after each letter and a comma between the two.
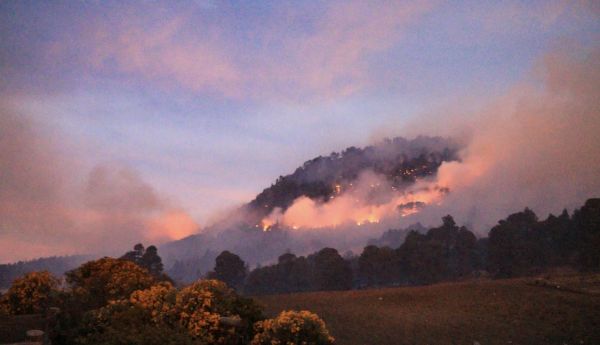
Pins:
x: 326, y: 61
x: 159, y: 52
x: 49, y: 206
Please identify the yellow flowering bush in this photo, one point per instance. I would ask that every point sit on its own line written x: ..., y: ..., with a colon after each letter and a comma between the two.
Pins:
x: 99, y: 281
x: 200, y: 307
x: 292, y: 328
x: 30, y: 294
x: 205, y: 312
x: 122, y: 322
x: 158, y: 301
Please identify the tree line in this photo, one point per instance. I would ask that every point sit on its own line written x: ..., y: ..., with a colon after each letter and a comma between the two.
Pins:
x: 519, y: 245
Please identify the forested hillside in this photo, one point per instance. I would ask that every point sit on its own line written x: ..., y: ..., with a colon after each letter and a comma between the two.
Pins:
x: 400, y: 160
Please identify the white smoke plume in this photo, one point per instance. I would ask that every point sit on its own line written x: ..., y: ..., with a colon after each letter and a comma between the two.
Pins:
x: 536, y: 146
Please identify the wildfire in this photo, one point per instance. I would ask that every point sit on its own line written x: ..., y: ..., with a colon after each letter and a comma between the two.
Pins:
x: 371, y: 219
x: 266, y: 224
x: 370, y: 201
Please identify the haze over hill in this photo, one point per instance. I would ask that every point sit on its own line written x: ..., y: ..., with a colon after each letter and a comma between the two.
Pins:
x: 339, y: 200
x: 536, y: 147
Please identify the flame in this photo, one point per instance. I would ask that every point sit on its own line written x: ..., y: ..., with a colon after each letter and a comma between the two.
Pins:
x: 360, y: 205
x: 266, y: 224
x: 338, y: 189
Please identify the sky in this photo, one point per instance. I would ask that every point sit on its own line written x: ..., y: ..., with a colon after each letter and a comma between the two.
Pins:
x: 123, y: 120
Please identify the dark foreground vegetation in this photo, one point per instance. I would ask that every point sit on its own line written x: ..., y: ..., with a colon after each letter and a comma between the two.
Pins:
x: 520, y: 245
x: 558, y: 309
x: 123, y: 302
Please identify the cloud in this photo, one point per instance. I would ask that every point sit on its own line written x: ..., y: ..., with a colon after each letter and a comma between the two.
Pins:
x: 322, y: 52
x: 163, y: 52
x: 48, y: 205
x: 332, y: 59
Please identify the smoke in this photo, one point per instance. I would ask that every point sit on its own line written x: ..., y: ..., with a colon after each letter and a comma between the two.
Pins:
x: 536, y: 146
x: 370, y: 199
x: 50, y: 205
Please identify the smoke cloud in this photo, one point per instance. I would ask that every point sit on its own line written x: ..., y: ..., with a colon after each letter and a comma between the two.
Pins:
x: 371, y: 199
x: 49, y: 205
x: 536, y: 146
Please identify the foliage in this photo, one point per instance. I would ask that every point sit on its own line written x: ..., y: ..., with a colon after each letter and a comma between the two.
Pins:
x: 147, y: 258
x: 292, y: 327
x: 195, y: 313
x: 324, y: 270
x: 97, y: 282
x: 587, y: 222
x: 33, y: 293
x: 331, y: 271
x: 519, y: 245
x: 123, y: 323
x: 201, y: 305
x: 230, y: 269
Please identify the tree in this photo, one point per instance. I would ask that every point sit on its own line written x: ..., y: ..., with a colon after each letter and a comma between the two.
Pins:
x: 136, y: 254
x: 97, y: 282
x: 147, y: 258
x: 376, y: 266
x: 443, y: 253
x: 33, y: 293
x: 587, y: 221
x: 151, y: 261
x: 510, y: 245
x: 331, y: 271
x: 230, y: 269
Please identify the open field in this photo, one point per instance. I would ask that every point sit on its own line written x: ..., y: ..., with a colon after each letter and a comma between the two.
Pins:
x: 562, y: 310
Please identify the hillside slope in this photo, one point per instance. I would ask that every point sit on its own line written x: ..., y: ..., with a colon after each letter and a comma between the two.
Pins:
x: 399, y: 160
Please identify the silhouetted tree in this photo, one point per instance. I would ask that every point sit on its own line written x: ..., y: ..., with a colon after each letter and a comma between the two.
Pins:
x: 587, y: 221
x: 510, y: 250
x: 377, y: 266
x: 151, y: 261
x: 147, y: 258
x: 331, y: 271
x: 230, y: 269
x: 136, y: 254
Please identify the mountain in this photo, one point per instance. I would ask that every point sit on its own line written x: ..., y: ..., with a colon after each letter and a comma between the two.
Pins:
x: 401, y: 162
x: 56, y: 265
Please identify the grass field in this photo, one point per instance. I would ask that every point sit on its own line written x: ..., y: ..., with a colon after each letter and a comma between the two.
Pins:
x: 560, y: 310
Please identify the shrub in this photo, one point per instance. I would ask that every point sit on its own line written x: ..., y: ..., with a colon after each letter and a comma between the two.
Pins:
x: 202, y: 305
x: 124, y: 323
x: 292, y: 327
x: 97, y: 282
x: 34, y: 293
x: 206, y: 312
